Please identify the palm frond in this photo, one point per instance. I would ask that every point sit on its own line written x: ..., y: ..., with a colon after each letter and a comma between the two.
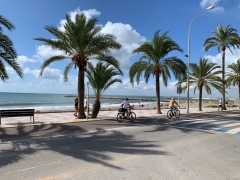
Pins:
x: 66, y: 71
x: 49, y: 61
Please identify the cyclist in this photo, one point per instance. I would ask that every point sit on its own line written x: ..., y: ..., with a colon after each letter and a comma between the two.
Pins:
x: 125, y: 105
x: 171, y: 105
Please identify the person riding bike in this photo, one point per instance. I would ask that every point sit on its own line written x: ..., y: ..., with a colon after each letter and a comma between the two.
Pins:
x: 125, y: 105
x: 171, y: 105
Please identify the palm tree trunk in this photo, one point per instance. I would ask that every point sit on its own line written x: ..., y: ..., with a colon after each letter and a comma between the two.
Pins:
x: 239, y: 94
x: 81, y: 88
x: 158, y: 95
x: 200, y: 99
x: 96, y: 108
x: 223, y: 78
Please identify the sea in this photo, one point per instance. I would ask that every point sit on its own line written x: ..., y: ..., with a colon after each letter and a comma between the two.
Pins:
x: 53, y: 102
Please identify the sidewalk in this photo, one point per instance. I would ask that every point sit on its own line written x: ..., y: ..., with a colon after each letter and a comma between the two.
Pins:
x: 67, y: 117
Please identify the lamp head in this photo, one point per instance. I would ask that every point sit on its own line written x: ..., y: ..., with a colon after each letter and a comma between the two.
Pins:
x: 210, y: 7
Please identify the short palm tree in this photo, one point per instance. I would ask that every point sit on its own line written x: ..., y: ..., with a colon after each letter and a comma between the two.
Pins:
x: 223, y: 38
x: 80, y: 41
x: 233, y: 77
x: 101, y: 77
x: 157, y: 63
x: 202, y: 76
x: 7, y: 52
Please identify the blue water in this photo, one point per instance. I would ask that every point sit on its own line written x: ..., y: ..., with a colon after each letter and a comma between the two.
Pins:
x: 40, y: 101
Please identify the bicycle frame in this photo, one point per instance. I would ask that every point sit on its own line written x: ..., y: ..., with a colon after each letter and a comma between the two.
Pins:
x: 174, y: 109
x: 173, y: 112
x: 129, y: 112
x: 131, y: 115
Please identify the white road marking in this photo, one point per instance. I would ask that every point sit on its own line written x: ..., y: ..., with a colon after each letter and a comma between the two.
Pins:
x: 233, y: 131
x: 33, y: 167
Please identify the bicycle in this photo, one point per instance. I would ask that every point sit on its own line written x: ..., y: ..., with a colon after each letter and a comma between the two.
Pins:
x: 121, y: 115
x: 176, y: 113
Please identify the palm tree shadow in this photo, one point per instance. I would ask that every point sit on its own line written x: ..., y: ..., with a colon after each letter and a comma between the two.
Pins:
x: 95, y: 147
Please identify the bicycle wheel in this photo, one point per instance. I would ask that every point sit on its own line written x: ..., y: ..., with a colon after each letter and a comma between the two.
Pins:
x: 169, y: 114
x: 177, y: 114
x: 132, y: 116
x: 120, y: 117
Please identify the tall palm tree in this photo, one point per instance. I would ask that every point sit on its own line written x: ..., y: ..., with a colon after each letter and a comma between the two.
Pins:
x: 100, y: 78
x: 7, y: 52
x: 80, y: 41
x: 157, y: 63
x: 233, y: 77
x: 223, y: 38
x: 202, y: 76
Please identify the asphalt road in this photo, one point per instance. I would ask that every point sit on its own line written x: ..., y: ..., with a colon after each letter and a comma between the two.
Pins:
x: 150, y: 148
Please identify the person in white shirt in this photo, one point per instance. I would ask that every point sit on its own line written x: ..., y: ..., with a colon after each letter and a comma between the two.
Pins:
x: 125, y: 105
x: 220, y: 104
x: 86, y: 105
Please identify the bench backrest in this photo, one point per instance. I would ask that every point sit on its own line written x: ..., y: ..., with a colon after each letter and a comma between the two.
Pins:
x: 16, y: 112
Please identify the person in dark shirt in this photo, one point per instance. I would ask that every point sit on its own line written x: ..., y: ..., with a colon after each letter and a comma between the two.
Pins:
x: 76, y: 106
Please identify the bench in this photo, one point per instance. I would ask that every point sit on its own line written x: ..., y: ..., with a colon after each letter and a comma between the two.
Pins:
x: 17, y: 113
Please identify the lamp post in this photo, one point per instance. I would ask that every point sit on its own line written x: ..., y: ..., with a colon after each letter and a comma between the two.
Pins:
x: 88, y: 84
x: 209, y: 8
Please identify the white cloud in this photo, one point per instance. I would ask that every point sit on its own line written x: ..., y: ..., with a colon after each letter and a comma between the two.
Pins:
x: 35, y: 72
x: 10, y: 70
x: 128, y: 38
x: 229, y: 58
x: 88, y: 13
x: 24, y: 59
x: 48, y: 73
x: 205, y: 3
x: 44, y: 52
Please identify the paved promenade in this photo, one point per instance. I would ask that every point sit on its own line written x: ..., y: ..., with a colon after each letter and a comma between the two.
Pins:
x: 67, y: 117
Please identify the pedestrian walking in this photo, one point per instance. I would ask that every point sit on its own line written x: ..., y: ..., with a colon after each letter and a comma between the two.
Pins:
x: 220, y: 104
x: 86, y: 105
x: 76, y: 106
x: 226, y: 102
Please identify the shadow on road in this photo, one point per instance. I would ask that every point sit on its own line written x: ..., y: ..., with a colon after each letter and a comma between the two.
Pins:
x: 88, y: 146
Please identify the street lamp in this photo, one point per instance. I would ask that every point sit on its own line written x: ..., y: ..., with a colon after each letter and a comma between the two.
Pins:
x: 88, y: 84
x: 209, y: 8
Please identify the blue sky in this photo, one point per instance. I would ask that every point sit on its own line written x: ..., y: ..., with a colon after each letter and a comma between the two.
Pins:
x: 132, y: 22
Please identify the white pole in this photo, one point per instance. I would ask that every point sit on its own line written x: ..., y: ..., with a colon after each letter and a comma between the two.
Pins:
x: 178, y: 98
x: 188, y: 64
x: 87, y: 100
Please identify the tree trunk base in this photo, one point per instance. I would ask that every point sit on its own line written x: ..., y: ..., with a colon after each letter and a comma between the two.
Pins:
x: 158, y: 112
x: 81, y: 116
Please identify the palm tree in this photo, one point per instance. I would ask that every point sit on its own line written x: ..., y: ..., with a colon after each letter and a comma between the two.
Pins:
x: 202, y: 76
x: 80, y: 41
x: 233, y: 77
x: 7, y: 52
x: 100, y: 78
x: 223, y: 38
x: 157, y: 64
